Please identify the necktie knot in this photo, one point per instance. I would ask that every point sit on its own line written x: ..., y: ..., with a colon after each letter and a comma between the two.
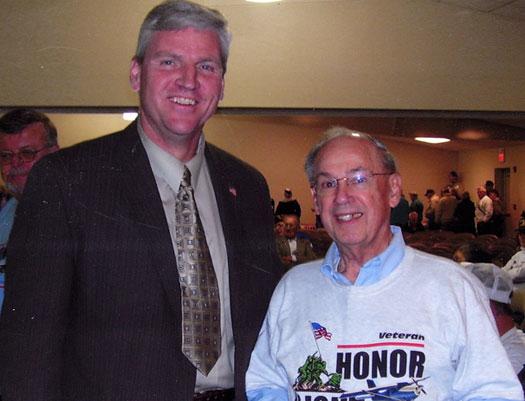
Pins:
x: 186, y: 178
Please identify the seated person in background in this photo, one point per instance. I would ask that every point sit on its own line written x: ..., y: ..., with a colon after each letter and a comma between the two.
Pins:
x: 471, y: 252
x: 498, y: 285
x: 374, y: 310
x: 288, y: 205
x: 516, y: 265
x: 414, y: 224
x: 292, y: 249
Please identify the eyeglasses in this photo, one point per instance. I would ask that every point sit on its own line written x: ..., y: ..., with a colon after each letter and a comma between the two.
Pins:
x: 359, y: 180
x: 25, y: 155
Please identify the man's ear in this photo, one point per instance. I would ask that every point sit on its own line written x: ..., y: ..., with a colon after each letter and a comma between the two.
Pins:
x: 134, y: 74
x: 314, y: 197
x: 395, y: 184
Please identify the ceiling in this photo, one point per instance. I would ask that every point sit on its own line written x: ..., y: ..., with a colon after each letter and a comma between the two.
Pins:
x: 467, y: 130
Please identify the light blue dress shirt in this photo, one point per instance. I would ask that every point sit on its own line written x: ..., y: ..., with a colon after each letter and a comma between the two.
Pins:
x: 7, y: 216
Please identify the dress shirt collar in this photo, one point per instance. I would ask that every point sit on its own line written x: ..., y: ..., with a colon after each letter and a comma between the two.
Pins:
x: 373, y: 270
x: 168, y: 166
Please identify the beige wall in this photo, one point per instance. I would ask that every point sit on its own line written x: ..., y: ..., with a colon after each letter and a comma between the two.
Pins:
x: 378, y: 54
x: 278, y: 149
x: 422, y: 166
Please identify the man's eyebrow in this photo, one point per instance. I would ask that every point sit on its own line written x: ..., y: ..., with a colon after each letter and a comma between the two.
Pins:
x: 358, y: 169
x: 163, y: 53
x: 209, y: 60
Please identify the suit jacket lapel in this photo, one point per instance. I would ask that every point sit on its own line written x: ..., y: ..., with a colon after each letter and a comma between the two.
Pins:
x: 226, y: 195
x: 145, y: 208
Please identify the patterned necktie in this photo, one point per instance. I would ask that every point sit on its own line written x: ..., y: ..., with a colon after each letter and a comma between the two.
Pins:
x: 201, y: 323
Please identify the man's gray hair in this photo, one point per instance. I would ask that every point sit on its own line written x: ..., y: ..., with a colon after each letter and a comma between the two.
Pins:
x: 176, y: 15
x: 387, y: 158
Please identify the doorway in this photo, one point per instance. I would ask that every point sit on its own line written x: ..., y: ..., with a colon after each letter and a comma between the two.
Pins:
x: 502, y: 185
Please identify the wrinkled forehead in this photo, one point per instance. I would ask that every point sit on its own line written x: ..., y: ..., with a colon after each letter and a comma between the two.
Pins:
x: 33, y: 135
x: 347, y: 154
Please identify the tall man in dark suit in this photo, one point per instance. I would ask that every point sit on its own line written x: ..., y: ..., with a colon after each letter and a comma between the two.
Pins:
x: 93, y: 301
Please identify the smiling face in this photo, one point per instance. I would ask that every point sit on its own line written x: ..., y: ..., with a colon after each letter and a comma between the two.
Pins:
x: 180, y: 82
x: 357, y: 218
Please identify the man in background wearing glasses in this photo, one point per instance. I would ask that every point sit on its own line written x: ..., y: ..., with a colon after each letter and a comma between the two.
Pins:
x: 25, y: 137
x: 375, y: 319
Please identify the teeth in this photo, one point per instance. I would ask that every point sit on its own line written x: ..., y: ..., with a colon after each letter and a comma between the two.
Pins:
x: 349, y: 217
x: 346, y: 217
x: 183, y: 100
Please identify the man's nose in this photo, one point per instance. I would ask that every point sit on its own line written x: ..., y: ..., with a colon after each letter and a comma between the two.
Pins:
x: 343, y: 189
x: 17, y: 160
x: 188, y: 77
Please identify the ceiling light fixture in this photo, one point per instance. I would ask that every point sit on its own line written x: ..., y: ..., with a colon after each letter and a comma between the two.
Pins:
x: 428, y: 139
x: 472, y: 135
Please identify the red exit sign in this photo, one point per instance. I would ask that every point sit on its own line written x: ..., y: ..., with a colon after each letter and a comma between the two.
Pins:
x: 501, y: 155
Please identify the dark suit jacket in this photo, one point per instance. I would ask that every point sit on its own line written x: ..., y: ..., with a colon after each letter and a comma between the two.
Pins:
x: 92, y: 308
